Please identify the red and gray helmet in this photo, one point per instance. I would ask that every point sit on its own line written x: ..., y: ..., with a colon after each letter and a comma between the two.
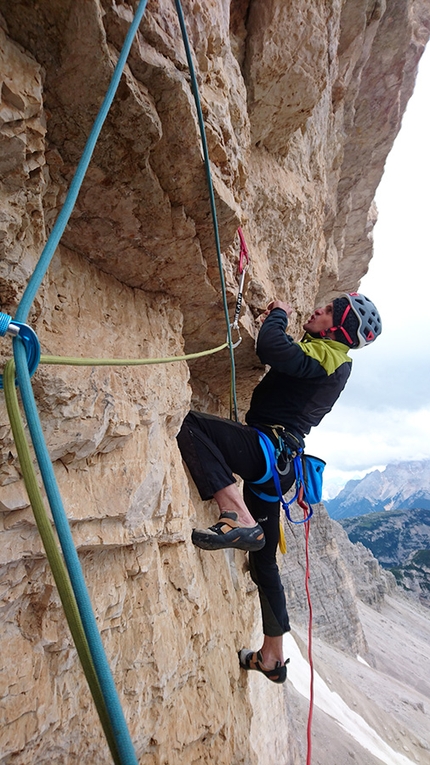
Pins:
x: 369, y: 321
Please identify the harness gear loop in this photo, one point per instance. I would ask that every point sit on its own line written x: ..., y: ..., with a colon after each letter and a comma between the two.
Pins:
x: 28, y: 337
x: 284, y: 452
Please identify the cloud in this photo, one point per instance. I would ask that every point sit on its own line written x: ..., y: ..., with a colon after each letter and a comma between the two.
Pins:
x: 397, y: 377
x: 355, y: 438
x: 355, y: 441
x: 383, y: 415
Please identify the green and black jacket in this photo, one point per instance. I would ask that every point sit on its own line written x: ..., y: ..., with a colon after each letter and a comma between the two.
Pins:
x: 304, y: 381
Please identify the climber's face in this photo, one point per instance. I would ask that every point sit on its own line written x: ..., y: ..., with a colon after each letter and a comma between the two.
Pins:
x: 321, y: 320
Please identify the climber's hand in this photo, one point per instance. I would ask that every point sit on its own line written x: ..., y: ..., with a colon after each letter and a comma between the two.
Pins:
x: 278, y: 304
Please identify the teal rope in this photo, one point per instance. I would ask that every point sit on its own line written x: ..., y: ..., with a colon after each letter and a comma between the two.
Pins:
x: 67, y: 209
x: 211, y: 197
x: 107, y: 685
x: 101, y: 665
x: 56, y: 562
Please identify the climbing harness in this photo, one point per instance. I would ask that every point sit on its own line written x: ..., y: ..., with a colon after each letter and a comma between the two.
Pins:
x: 308, y: 475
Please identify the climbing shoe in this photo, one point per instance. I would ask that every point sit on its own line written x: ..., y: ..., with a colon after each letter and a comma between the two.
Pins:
x: 254, y: 660
x: 228, y: 533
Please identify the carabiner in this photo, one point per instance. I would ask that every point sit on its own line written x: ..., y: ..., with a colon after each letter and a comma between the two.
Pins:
x: 235, y: 326
x: 27, y: 335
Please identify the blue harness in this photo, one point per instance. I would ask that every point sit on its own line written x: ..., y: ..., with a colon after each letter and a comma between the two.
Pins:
x: 312, y: 484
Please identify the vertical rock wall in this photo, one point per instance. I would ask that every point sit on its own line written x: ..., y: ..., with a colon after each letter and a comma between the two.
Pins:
x: 302, y: 102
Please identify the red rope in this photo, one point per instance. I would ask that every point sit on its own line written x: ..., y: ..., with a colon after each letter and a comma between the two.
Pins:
x: 311, y: 663
x: 307, y: 525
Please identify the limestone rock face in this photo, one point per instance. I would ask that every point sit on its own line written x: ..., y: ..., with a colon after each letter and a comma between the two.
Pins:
x: 333, y: 582
x: 301, y: 103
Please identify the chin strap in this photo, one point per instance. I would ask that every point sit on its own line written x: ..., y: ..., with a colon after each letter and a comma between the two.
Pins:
x: 324, y: 333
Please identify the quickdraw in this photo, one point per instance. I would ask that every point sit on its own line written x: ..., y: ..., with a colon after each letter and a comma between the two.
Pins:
x: 243, y: 267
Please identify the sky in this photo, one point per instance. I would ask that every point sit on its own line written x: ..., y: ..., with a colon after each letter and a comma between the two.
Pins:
x: 383, y: 415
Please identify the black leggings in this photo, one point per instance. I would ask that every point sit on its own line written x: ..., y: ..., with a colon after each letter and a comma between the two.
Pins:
x: 213, y: 449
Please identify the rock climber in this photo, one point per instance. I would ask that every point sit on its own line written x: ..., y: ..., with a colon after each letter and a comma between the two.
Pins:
x: 304, y: 381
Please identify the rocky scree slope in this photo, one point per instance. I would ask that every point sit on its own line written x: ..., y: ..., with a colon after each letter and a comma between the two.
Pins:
x: 400, y: 540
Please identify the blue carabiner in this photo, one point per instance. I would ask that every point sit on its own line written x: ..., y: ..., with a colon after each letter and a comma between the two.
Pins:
x: 27, y: 335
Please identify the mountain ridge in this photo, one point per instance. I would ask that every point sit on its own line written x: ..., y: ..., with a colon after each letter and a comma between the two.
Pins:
x: 401, y: 485
x: 400, y: 541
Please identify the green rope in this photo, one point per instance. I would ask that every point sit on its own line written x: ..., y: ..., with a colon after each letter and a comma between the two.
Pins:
x: 88, y: 362
x: 55, y: 560
x: 195, y: 90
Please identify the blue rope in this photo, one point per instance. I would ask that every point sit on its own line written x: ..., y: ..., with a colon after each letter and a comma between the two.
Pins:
x: 113, y: 705
x: 5, y: 320
x: 67, y: 209
x: 211, y: 197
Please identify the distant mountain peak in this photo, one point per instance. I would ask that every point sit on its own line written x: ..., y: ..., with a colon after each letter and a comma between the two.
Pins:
x: 402, y: 485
